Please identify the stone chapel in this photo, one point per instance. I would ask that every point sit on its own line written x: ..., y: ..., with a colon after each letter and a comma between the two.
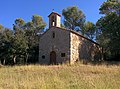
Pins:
x: 60, y: 45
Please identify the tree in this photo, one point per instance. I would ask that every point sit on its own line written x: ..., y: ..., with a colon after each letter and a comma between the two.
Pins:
x: 73, y: 18
x: 89, y: 30
x: 20, y: 42
x: 109, y: 29
x: 6, y: 40
x: 32, y: 30
x: 38, y: 22
x: 26, y: 38
x: 19, y: 22
x: 1, y: 26
x: 110, y: 6
x: 1, y: 29
x: 20, y: 45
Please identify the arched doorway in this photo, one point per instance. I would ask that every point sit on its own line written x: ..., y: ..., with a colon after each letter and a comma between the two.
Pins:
x: 53, y: 57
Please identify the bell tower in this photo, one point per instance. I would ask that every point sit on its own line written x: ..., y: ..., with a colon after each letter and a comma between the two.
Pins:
x: 54, y: 20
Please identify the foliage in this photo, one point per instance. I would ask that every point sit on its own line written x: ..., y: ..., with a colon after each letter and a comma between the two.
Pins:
x: 32, y: 30
x: 109, y: 29
x: 1, y: 26
x: 19, y: 23
x: 38, y: 22
x: 20, y: 45
x: 6, y: 39
x: 73, y: 17
x: 89, y: 30
x: 110, y: 6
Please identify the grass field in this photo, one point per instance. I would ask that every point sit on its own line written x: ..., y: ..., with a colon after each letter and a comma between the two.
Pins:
x: 76, y: 76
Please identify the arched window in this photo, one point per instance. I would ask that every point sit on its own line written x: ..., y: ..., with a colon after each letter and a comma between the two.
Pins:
x: 53, y: 21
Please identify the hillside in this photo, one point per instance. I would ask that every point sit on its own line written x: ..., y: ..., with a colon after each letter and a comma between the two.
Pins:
x: 60, y: 77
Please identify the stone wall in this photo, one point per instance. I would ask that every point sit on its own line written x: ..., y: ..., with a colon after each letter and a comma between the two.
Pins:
x: 59, y: 44
x: 57, y: 21
x: 83, y: 49
x: 75, y: 47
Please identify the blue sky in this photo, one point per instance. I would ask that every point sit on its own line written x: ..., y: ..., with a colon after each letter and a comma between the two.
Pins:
x: 12, y: 9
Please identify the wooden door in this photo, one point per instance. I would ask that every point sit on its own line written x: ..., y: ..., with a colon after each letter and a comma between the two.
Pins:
x: 53, y: 57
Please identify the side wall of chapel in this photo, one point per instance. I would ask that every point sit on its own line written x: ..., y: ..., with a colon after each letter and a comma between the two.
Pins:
x: 84, y: 49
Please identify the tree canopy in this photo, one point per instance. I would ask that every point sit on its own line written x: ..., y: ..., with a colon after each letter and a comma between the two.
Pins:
x: 73, y: 17
x: 109, y: 28
x: 20, y: 45
x: 90, y: 30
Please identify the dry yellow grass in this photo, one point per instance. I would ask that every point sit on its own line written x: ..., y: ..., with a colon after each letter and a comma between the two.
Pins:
x: 60, y: 77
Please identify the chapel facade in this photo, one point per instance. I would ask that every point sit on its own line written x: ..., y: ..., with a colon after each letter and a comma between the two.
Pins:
x: 60, y: 45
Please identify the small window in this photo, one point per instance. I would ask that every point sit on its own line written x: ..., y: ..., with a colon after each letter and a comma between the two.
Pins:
x: 62, y: 54
x: 53, y: 21
x: 53, y: 34
x: 43, y: 57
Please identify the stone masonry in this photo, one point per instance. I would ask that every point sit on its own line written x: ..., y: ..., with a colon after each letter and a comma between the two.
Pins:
x: 65, y: 45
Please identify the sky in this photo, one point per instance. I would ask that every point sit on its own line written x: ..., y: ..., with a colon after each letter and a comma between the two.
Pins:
x: 25, y: 9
